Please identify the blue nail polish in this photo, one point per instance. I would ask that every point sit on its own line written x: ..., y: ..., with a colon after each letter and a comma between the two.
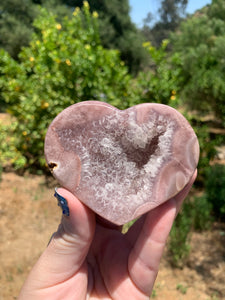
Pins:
x: 62, y: 202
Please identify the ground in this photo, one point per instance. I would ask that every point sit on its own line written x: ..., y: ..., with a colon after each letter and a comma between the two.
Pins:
x: 29, y: 215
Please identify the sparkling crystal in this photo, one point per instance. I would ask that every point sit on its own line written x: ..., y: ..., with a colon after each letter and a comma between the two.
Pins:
x: 121, y: 164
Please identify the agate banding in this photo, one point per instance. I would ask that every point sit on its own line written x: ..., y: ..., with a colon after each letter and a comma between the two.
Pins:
x: 121, y: 164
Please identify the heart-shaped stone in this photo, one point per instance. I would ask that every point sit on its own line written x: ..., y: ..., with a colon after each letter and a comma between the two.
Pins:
x: 121, y: 164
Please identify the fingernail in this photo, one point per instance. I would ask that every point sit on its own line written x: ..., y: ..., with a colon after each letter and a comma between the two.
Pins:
x: 62, y: 202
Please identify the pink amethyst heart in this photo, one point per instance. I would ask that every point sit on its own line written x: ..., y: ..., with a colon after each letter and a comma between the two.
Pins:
x: 121, y: 164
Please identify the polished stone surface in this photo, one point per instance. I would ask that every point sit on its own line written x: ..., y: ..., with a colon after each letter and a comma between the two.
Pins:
x: 121, y: 164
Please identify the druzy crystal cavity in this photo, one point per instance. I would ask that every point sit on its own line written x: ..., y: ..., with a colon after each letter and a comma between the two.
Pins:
x: 121, y: 164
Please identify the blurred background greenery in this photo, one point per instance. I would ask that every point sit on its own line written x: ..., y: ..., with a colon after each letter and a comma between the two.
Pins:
x: 56, y: 53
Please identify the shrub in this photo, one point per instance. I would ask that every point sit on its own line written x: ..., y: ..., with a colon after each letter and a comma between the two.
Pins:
x: 179, y: 247
x: 64, y: 64
x: 215, y: 190
x: 160, y: 83
x: 199, y: 42
x: 195, y: 214
x: 9, y: 155
x: 207, y: 146
x: 10, y: 75
x: 202, y: 211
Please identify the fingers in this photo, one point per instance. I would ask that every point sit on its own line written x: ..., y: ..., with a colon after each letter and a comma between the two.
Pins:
x: 183, y: 193
x: 71, y: 242
x: 68, y: 247
x: 145, y: 256
x: 149, y: 240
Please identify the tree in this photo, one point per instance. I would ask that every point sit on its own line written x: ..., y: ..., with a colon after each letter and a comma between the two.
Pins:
x: 16, y: 17
x: 200, y: 44
x: 159, y: 84
x: 117, y: 30
x: 64, y: 64
x: 170, y: 14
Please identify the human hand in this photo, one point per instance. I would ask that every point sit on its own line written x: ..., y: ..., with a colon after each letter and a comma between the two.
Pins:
x: 89, y: 259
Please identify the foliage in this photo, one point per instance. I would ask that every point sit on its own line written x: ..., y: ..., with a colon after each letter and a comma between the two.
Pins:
x: 215, y: 190
x: 195, y: 214
x: 117, y: 30
x: 64, y: 64
x: 9, y: 155
x: 170, y: 14
x: 183, y: 289
x: 200, y: 44
x: 207, y: 150
x: 206, y: 143
x: 16, y: 18
x: 202, y: 211
x: 10, y: 75
x: 179, y: 247
x: 56, y: 7
x: 154, y: 294
x: 160, y: 83
x: 128, y: 225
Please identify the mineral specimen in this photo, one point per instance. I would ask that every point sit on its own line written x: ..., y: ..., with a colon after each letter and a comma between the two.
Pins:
x: 121, y: 164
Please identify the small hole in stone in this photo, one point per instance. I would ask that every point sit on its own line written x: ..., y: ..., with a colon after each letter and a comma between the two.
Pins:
x: 52, y: 166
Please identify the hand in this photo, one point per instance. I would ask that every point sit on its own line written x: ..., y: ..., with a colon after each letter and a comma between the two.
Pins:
x: 86, y: 259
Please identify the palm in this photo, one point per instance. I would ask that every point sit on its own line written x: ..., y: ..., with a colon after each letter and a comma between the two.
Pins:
x: 124, y: 266
x: 108, y: 261
x: 87, y: 260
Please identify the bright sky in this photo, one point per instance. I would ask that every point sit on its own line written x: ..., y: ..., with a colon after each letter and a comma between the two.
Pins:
x: 140, y: 8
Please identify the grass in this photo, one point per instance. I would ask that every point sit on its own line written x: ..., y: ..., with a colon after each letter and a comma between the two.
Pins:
x: 154, y: 294
x: 181, y: 288
x: 128, y: 225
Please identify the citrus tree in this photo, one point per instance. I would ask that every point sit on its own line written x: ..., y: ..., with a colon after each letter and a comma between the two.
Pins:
x: 64, y: 64
x: 160, y: 82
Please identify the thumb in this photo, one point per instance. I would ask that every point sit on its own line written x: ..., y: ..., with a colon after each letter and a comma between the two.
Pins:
x: 68, y: 247
x: 75, y: 233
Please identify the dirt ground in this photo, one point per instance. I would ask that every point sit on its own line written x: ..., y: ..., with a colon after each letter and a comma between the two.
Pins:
x: 29, y: 215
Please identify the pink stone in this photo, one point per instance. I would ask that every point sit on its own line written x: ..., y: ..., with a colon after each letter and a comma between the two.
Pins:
x: 121, y: 164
